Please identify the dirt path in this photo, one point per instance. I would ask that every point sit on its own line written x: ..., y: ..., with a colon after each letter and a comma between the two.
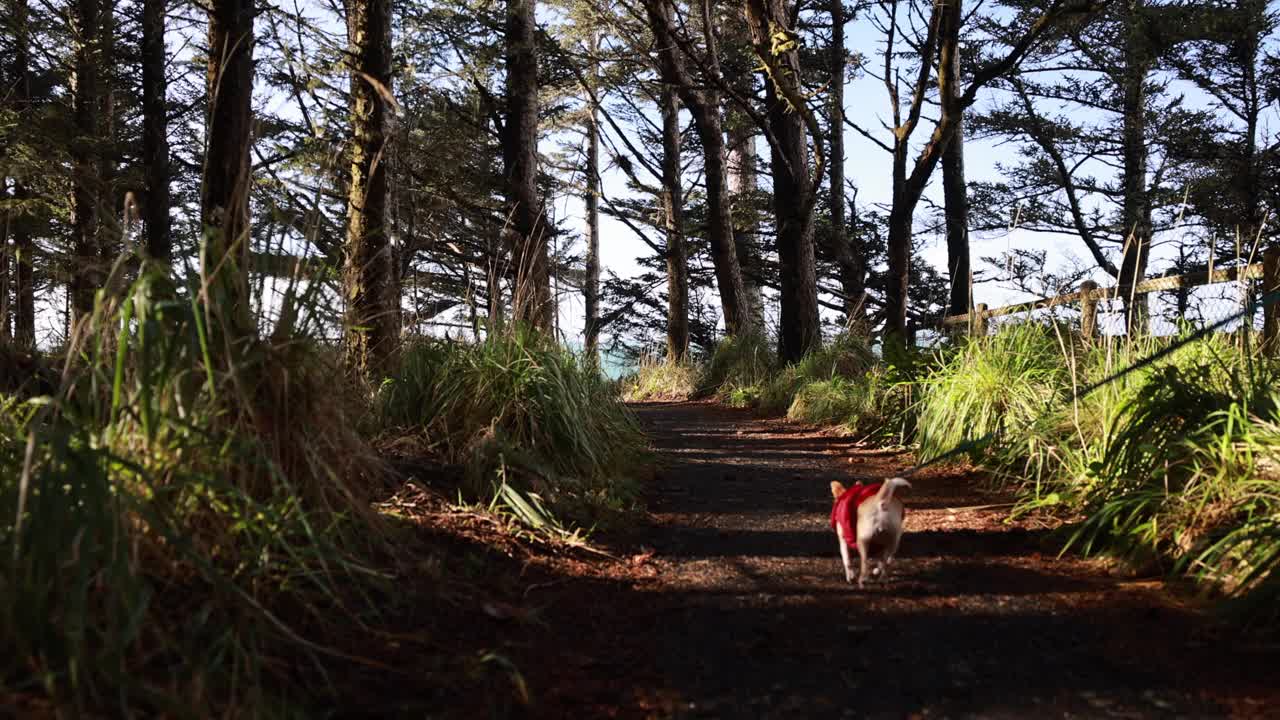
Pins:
x: 744, y: 611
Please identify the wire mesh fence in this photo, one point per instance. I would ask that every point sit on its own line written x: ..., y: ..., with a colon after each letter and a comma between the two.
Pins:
x: 1163, y: 306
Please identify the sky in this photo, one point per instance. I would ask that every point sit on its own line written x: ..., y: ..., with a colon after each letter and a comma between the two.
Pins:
x: 868, y: 167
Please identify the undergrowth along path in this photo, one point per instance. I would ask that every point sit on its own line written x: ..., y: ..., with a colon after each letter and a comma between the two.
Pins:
x: 748, y: 614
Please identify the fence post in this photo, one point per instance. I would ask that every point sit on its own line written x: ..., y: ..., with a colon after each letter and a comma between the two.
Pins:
x: 1088, y: 310
x: 979, y: 324
x: 1271, y: 312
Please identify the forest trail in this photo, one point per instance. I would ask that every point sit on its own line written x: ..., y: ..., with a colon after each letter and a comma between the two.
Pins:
x: 746, y: 613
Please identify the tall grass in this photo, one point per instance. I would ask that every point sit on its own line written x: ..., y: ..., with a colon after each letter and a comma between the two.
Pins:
x: 524, y: 415
x: 661, y: 380
x: 738, y: 370
x: 847, y: 357
x: 988, y: 384
x: 1173, y: 464
x: 872, y: 405
x: 180, y: 515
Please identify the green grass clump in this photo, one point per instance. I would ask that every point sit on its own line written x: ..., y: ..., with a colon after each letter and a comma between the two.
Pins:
x: 521, y: 412
x: 847, y: 357
x: 738, y: 370
x: 661, y: 380
x: 1230, y: 509
x: 184, y: 518
x: 1186, y: 475
x: 1184, y: 417
x: 871, y: 405
x: 1176, y: 464
x: 826, y: 402
x: 1008, y: 380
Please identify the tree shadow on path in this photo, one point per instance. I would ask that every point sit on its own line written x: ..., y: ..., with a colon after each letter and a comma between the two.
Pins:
x: 751, y: 617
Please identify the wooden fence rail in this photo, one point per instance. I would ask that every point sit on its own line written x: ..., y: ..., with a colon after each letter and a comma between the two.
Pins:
x: 1089, y: 294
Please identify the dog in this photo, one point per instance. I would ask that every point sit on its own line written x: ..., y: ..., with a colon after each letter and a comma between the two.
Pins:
x: 869, y: 518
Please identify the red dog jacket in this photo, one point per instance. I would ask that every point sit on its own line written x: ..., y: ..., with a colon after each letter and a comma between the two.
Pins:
x: 844, y: 513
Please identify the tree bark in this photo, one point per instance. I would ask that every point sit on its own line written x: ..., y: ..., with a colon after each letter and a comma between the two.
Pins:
x: 6, y: 223
x: 111, y: 224
x: 909, y: 187
x: 591, y: 284
x: 673, y: 206
x: 531, y: 297
x: 851, y: 266
x: 157, y: 225
x: 793, y: 191
x: 956, y: 200
x: 743, y: 183
x: 955, y: 194
x: 1248, y: 52
x: 86, y: 273
x: 1136, y: 211
x: 23, y: 269
x: 743, y: 172
x: 224, y: 192
x: 372, y: 309
x: 24, y: 279
x: 704, y: 104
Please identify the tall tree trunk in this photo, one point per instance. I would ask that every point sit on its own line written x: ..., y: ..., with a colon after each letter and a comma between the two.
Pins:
x: 839, y: 237
x: 224, y: 192
x: 531, y: 298
x: 23, y: 272
x: 956, y: 200
x: 591, y: 284
x: 155, y: 133
x: 673, y: 207
x: 1136, y: 212
x: 6, y: 223
x: 1246, y: 52
x: 798, y: 307
x: 909, y: 187
x: 849, y: 260
x: 372, y: 327
x: 898, y: 256
x: 743, y: 183
x: 734, y: 301
x: 493, y: 289
x: 704, y: 104
x: 86, y: 274
x: 744, y: 173
x: 955, y: 194
x: 793, y: 191
x: 111, y: 224
x: 24, y: 278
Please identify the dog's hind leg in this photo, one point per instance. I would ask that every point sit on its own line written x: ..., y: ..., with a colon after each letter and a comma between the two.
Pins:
x: 893, y: 550
x: 862, y: 570
x: 844, y: 555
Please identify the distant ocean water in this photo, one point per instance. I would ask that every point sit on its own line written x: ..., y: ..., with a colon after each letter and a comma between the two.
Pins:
x: 613, y: 365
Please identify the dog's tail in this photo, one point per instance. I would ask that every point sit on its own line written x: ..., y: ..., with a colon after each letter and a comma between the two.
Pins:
x: 889, y: 486
x: 837, y: 489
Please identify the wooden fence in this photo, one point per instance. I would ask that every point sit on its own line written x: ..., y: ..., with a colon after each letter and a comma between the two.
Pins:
x: 975, y: 323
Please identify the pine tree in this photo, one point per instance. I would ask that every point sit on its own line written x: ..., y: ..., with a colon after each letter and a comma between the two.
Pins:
x: 703, y: 101
x: 369, y: 273
x: 795, y: 186
x: 224, y: 192
x: 528, y: 231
